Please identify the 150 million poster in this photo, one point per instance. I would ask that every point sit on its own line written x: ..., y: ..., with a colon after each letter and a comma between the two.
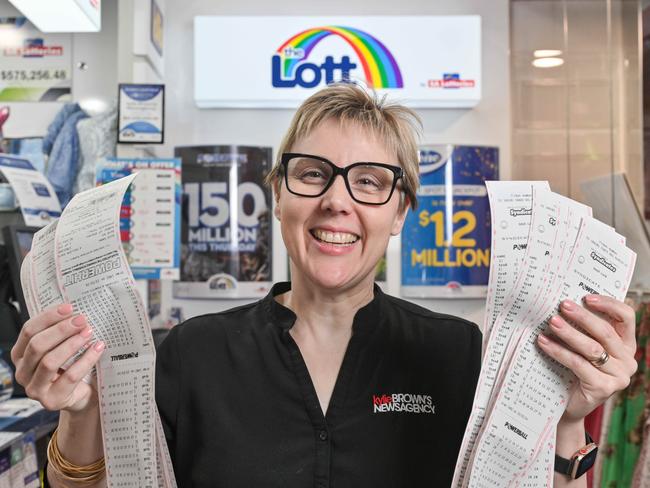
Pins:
x: 226, y: 222
x: 446, y: 241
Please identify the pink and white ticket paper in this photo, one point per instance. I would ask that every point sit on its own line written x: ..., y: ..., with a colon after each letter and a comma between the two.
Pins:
x: 558, y: 226
x: 510, y: 214
x: 554, y: 229
x: 79, y: 259
x: 512, y: 208
x: 535, y: 390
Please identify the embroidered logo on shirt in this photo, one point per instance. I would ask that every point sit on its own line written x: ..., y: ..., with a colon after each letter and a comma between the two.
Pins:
x: 403, y: 402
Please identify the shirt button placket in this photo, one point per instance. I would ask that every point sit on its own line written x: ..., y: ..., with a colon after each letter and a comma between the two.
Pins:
x: 322, y: 457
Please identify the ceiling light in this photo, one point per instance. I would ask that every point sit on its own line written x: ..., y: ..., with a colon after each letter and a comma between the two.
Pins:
x: 548, y: 62
x: 547, y: 53
x: 62, y: 15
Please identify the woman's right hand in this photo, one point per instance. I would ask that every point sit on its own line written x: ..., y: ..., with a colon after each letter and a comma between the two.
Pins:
x: 45, y: 343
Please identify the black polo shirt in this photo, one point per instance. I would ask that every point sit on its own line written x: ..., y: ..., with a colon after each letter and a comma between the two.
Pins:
x: 240, y: 411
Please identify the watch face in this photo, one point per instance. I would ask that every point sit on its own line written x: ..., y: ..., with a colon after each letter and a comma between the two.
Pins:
x: 586, y: 462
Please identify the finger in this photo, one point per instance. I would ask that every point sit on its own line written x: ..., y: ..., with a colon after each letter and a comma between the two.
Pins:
x: 579, y: 342
x: 47, y: 368
x: 33, y: 326
x: 597, y: 327
x: 586, y: 372
x: 44, y: 342
x: 79, y: 369
x: 622, y: 316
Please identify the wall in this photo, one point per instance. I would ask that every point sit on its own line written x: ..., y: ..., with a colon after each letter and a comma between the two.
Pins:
x: 488, y: 123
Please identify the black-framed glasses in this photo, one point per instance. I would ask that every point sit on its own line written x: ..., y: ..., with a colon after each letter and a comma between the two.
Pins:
x: 369, y: 183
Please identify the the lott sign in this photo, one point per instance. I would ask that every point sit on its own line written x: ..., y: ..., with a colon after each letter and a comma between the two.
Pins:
x: 422, y: 61
x: 380, y: 70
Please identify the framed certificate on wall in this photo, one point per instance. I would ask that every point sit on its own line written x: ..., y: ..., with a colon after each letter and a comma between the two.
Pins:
x: 141, y: 113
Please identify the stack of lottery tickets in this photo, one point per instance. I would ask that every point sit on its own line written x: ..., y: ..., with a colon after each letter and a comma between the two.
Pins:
x: 545, y: 248
x: 79, y: 259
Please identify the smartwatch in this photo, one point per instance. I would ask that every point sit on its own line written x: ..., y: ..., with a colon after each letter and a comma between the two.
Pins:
x: 583, y: 459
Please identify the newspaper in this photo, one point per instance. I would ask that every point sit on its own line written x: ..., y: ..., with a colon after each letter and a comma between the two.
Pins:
x: 522, y: 393
x: 79, y: 259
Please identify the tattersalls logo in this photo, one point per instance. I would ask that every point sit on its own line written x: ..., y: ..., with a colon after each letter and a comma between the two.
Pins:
x: 451, y: 81
x: 403, y: 402
x: 33, y: 48
x: 290, y: 67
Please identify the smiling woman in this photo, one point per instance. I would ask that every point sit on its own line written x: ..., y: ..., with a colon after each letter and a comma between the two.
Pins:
x: 344, y: 131
x: 326, y: 381
x: 317, y: 210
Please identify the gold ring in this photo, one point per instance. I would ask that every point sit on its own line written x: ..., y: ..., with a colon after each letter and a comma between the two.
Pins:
x: 604, y: 357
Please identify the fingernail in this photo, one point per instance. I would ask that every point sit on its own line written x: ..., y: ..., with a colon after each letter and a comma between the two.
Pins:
x: 99, y: 346
x: 79, y: 320
x: 568, y: 305
x: 87, y: 332
x: 65, y: 309
x: 592, y: 298
x: 542, y: 339
x: 556, y: 322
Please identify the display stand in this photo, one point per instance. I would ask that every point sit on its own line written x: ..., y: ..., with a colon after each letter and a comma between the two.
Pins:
x: 22, y: 421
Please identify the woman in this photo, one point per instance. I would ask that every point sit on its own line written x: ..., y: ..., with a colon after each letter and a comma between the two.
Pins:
x: 326, y: 381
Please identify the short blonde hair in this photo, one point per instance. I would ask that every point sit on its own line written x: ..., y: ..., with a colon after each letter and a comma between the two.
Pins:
x: 394, y: 124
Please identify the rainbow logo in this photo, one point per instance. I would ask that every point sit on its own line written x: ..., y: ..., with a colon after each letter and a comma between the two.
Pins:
x: 379, y: 65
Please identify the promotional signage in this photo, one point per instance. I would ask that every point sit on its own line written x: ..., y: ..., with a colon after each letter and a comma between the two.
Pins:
x: 446, y: 241
x: 34, y: 67
x: 226, y: 226
x: 150, y: 217
x: 141, y: 111
x: 279, y: 61
x: 38, y: 201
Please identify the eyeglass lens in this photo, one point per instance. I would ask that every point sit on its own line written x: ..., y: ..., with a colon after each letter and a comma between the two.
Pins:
x: 368, y: 183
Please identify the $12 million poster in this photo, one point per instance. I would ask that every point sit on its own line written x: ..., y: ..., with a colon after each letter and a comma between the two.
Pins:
x: 446, y: 241
x: 226, y: 222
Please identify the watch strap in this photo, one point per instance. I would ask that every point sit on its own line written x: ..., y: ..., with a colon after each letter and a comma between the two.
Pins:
x: 565, y: 466
x: 562, y: 465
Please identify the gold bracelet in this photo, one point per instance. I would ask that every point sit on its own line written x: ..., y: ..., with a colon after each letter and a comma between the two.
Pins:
x: 67, y: 471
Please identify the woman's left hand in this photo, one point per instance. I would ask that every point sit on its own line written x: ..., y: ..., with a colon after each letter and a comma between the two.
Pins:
x: 611, y: 331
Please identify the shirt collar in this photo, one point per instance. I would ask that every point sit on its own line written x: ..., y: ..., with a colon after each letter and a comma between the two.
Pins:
x: 365, y: 320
